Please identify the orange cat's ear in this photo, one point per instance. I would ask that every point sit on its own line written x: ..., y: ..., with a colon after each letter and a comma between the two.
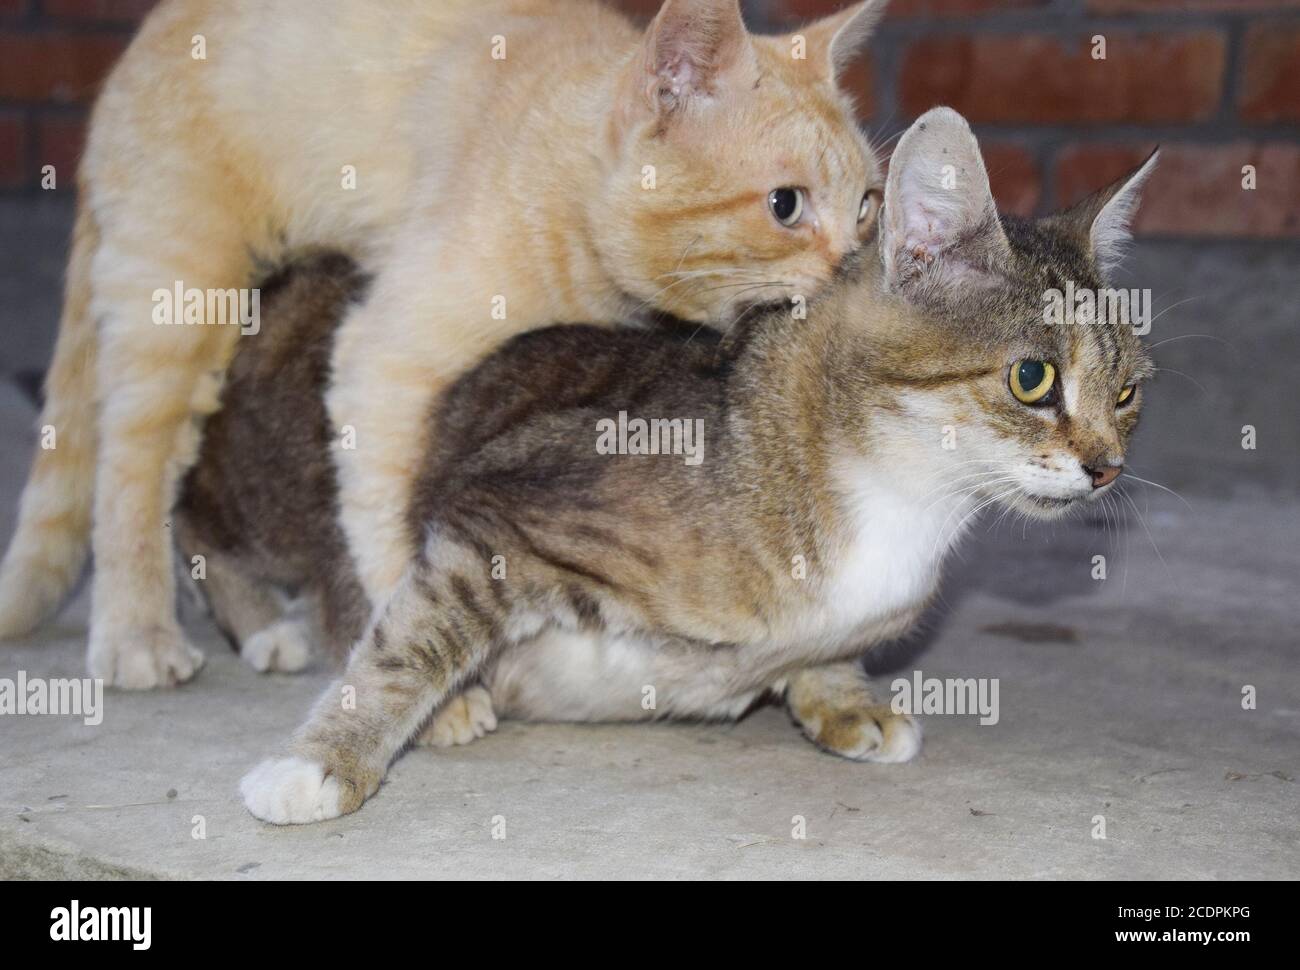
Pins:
x: 832, y: 43
x: 692, y: 48
x: 939, y: 224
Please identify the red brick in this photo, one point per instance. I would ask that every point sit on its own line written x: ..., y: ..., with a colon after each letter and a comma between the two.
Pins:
x: 810, y: 9
x: 1196, y: 189
x: 121, y: 11
x: 1013, y: 176
x: 857, y: 80
x: 1270, y: 80
x: 59, y: 143
x: 13, y: 151
x: 55, y: 67
x: 1160, y: 6
x: 1147, y: 77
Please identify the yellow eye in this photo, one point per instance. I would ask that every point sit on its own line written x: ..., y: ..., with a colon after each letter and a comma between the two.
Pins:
x: 1032, y: 381
x: 1125, y: 395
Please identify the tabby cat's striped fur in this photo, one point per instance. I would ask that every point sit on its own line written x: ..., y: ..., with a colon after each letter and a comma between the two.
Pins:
x: 576, y: 584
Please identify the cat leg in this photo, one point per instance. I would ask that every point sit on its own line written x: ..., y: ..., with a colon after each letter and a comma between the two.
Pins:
x: 377, y: 464
x: 838, y: 712
x: 386, y: 379
x: 245, y: 607
x: 432, y: 635
x: 158, y: 376
x: 462, y: 719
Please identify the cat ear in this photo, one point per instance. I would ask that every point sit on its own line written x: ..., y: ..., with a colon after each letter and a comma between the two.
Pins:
x: 1102, y: 221
x: 693, y: 47
x: 832, y: 42
x: 939, y: 222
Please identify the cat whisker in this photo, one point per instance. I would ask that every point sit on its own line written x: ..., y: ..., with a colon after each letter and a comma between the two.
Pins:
x: 687, y: 248
x: 971, y: 514
x: 1203, y: 336
x: 1170, y: 370
x: 998, y: 468
x: 1142, y: 521
x: 961, y: 522
x: 1174, y: 306
x: 691, y: 276
x: 984, y: 482
x: 1163, y: 488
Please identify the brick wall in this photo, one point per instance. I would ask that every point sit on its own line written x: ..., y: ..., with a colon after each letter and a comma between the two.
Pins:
x: 1215, y: 82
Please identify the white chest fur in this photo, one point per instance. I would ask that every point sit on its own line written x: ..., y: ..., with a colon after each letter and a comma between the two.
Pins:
x: 894, y: 541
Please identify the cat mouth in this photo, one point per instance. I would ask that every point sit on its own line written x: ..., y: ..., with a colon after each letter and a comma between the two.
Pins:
x: 1047, y: 506
x: 1047, y: 502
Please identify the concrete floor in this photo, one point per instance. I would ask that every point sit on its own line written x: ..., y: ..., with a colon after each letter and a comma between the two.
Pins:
x: 1119, y: 699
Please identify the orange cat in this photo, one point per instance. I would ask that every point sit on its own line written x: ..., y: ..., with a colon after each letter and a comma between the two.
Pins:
x: 507, y: 164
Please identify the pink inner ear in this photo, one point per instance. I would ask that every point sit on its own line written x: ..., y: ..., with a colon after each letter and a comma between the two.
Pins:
x: 679, y: 73
x: 695, y: 43
x: 924, y: 227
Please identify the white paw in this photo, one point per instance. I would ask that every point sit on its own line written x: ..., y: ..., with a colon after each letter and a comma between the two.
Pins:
x: 142, y: 659
x: 283, y: 647
x: 900, y: 741
x: 874, y: 733
x: 290, y: 791
x: 461, y: 720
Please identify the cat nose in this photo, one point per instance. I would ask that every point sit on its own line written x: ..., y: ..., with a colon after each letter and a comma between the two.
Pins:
x: 1104, y: 474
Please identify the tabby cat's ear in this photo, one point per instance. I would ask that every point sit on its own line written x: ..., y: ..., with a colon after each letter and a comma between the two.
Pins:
x: 1101, y: 223
x: 939, y: 224
x: 831, y: 44
x: 692, y: 48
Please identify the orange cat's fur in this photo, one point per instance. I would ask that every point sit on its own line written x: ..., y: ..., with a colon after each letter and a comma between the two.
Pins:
x: 586, y: 171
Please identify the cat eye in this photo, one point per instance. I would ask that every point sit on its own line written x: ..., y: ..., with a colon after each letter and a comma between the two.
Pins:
x: 1032, y: 382
x: 868, y: 206
x: 1125, y: 396
x: 786, y: 204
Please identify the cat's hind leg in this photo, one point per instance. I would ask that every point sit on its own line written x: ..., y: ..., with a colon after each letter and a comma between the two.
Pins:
x: 838, y: 712
x: 432, y: 635
x: 248, y: 610
x: 462, y: 719
x: 160, y: 365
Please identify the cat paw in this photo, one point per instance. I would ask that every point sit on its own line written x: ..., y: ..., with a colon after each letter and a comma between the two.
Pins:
x: 461, y: 720
x: 283, y: 647
x: 142, y: 659
x: 873, y: 733
x: 291, y: 791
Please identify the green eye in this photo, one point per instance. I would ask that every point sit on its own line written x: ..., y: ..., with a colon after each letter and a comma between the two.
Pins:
x: 1125, y: 396
x: 1032, y: 381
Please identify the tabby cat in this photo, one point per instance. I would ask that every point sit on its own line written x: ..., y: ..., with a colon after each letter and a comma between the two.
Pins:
x: 806, y: 521
x: 507, y: 162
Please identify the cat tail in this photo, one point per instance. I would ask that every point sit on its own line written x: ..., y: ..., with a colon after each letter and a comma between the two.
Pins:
x: 50, y: 543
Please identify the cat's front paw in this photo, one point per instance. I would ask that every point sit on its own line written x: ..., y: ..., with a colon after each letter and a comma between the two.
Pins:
x: 291, y: 791
x: 142, y: 659
x: 871, y: 733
